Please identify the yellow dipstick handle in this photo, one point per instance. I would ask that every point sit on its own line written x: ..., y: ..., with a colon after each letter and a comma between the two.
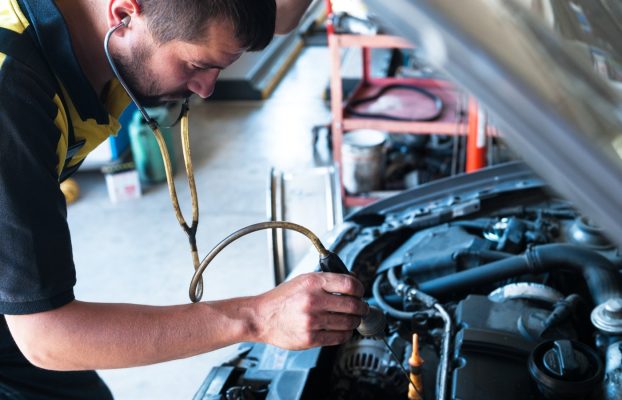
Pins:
x: 415, y: 388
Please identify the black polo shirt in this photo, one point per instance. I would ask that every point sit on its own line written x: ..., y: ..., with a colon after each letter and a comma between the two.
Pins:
x: 50, y: 119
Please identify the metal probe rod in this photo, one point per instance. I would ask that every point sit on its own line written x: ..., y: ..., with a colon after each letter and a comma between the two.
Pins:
x: 196, y: 279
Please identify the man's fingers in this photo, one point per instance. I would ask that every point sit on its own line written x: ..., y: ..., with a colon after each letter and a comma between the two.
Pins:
x: 341, y: 283
x: 344, y: 304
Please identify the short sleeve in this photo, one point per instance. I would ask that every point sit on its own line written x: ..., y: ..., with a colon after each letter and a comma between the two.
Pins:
x: 36, y: 263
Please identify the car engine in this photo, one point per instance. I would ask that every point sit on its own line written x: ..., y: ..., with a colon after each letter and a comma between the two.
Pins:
x: 509, y: 293
x: 519, y: 286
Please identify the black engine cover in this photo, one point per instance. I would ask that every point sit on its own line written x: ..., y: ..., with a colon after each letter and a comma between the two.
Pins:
x: 492, y: 348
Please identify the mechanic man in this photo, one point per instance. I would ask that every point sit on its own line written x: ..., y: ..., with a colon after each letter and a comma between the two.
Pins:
x: 58, y: 101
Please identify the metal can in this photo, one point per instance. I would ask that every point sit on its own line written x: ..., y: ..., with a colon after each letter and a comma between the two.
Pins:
x: 363, y: 160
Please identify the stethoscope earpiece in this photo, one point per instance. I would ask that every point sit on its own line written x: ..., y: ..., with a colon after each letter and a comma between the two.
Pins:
x: 126, y: 21
x: 124, y: 24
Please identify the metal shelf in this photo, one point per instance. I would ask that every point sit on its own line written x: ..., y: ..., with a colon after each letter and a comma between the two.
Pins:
x: 459, y: 115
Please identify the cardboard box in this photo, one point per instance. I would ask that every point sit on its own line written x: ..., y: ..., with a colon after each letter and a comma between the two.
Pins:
x: 122, y: 182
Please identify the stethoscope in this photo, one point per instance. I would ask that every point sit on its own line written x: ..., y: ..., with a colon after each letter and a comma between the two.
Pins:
x: 329, y: 261
x: 196, y: 286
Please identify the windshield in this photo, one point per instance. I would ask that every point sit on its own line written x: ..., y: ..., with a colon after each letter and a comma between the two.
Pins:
x: 549, y: 71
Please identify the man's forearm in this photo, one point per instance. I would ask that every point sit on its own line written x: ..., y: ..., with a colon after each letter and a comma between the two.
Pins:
x: 289, y: 13
x: 83, y: 335
x: 298, y: 314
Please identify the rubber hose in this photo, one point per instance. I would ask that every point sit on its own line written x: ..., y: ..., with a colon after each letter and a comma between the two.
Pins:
x: 451, y: 260
x: 393, y: 299
x: 386, y: 307
x: 392, y: 277
x: 438, y: 104
x: 601, y: 276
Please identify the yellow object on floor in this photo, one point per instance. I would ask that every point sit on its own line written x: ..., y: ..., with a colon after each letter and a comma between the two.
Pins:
x: 71, y: 190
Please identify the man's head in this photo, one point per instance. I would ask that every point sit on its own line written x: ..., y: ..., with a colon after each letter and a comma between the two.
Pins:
x: 172, y: 49
x: 187, y: 20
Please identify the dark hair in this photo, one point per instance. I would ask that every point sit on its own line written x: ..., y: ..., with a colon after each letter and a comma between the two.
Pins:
x: 252, y: 20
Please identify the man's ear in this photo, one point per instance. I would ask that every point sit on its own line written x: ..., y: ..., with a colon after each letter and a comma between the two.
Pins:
x: 120, y: 9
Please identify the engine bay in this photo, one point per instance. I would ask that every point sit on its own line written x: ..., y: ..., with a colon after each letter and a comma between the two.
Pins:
x: 511, y: 294
x: 519, y: 285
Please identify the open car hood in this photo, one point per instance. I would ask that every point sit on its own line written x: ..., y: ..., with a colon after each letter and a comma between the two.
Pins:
x: 549, y: 74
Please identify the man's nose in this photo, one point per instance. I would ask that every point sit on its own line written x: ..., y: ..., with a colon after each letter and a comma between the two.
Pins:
x: 203, y: 82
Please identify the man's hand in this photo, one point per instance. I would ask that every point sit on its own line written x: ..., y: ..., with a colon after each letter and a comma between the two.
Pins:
x: 318, y: 309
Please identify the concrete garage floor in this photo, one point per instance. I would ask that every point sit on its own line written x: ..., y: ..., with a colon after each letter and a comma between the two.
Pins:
x: 135, y: 252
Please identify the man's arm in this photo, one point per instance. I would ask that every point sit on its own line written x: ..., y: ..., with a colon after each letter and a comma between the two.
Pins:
x: 288, y: 14
x: 298, y: 314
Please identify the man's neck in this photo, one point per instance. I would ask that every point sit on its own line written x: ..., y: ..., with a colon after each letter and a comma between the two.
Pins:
x: 86, y: 20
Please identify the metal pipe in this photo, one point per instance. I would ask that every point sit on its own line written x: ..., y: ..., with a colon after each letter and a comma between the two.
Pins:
x: 442, y: 376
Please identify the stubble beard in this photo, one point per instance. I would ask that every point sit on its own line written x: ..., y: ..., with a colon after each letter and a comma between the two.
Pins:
x: 134, y: 71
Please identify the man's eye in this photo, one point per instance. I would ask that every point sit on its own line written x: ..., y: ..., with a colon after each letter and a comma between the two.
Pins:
x: 197, y: 67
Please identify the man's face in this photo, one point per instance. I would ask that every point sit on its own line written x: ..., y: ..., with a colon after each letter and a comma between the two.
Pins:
x: 162, y: 73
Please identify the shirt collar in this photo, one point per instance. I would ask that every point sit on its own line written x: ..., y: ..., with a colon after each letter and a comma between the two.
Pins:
x: 50, y: 30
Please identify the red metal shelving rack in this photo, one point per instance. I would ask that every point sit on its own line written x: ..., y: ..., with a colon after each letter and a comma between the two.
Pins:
x: 449, y: 122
